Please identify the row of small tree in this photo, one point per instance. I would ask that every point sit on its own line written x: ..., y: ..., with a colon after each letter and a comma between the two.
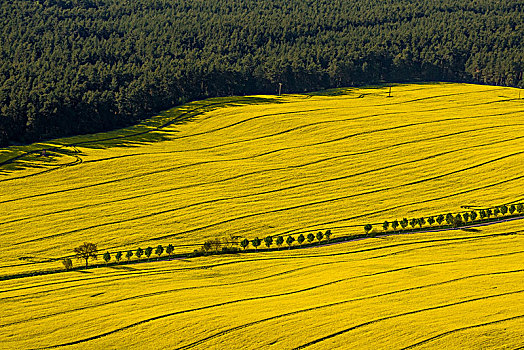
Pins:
x: 90, y: 251
x: 139, y: 253
x: 450, y: 219
x: 279, y: 240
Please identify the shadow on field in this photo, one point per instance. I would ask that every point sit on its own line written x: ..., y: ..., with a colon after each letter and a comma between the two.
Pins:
x: 470, y: 229
x: 333, y: 92
x: 64, y: 151
x: 124, y: 268
x: 380, y: 89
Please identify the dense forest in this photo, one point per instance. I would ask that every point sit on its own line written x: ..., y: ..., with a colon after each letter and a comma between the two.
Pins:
x: 81, y: 66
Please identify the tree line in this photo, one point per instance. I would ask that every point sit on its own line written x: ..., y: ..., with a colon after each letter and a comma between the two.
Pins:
x: 82, y: 66
x: 268, y: 241
x: 89, y: 250
x: 449, y: 219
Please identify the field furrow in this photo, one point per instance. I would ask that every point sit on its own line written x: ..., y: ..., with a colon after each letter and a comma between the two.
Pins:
x: 257, y: 166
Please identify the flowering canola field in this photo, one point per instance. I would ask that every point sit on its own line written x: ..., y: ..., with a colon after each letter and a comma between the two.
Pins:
x: 269, y: 165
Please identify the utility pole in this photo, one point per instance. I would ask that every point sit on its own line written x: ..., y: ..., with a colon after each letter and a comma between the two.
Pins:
x: 279, y: 88
x: 389, y: 95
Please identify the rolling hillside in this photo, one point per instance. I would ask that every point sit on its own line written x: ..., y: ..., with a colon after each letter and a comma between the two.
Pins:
x: 453, y: 291
x: 269, y: 165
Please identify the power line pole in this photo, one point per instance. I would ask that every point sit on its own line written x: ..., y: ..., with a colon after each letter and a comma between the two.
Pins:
x: 279, y: 88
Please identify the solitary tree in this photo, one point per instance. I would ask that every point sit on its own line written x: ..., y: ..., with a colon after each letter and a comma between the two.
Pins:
x: 244, y: 243
x: 512, y: 208
x: 520, y: 207
x: 139, y: 252
x: 268, y: 241
x: 148, y: 251
x: 290, y: 240
x: 301, y: 239
x: 394, y: 225
x: 328, y: 235
x: 440, y: 219
x: 170, y: 249
x: 466, y: 217
x: 404, y: 223
x: 106, y: 257
x: 421, y: 222
x: 503, y: 209
x: 256, y: 242
x: 368, y: 228
x: 489, y: 212
x: 449, y: 218
x: 310, y: 237
x: 129, y: 254
x: 320, y: 235
x: 279, y: 241
x: 159, y: 250
x: 473, y: 216
x: 431, y: 220
x: 118, y: 256
x: 413, y: 222
x: 385, y: 225
x: 482, y: 214
x: 86, y: 251
x: 496, y: 211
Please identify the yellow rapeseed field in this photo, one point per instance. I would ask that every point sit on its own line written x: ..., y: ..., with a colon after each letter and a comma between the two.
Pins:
x: 267, y: 165
x: 454, y: 290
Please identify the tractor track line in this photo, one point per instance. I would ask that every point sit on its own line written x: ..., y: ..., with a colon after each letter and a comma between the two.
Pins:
x: 347, y: 119
x: 168, y: 271
x: 134, y: 177
x: 342, y: 138
x: 357, y: 195
x: 332, y: 335
x: 267, y: 170
x: 162, y: 126
x: 230, y: 330
x: 441, y: 335
x: 413, y: 203
x: 271, y: 296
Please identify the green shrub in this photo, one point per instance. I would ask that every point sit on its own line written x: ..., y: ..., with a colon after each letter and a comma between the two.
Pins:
x: 68, y: 263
